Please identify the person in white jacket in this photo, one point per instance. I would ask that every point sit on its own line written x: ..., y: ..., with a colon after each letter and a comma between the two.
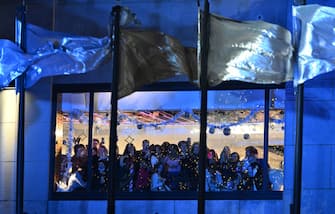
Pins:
x: 157, y: 181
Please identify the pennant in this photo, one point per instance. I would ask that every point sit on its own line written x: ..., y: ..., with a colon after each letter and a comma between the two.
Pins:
x: 249, y: 51
x: 315, y: 35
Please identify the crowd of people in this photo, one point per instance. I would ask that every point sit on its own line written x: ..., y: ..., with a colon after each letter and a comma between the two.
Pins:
x: 165, y: 167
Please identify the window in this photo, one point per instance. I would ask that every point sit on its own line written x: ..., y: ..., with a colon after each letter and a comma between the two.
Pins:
x: 157, y: 131
x: 71, y: 155
x: 158, y: 143
x: 239, y: 158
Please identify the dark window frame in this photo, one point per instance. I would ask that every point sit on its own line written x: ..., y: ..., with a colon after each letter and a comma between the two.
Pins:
x: 161, y: 86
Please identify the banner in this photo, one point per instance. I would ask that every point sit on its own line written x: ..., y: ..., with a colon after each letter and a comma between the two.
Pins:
x: 149, y: 56
x: 250, y: 51
x: 50, y: 54
x: 315, y: 40
x: 146, y: 57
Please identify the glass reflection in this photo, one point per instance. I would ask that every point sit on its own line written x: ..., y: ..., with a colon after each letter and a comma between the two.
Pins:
x: 100, y: 141
x: 158, y: 142
x: 71, y: 143
x: 276, y: 139
x: 235, y: 141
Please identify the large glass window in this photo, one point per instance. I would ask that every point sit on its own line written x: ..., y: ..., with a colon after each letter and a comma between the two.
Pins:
x: 158, y: 133
x: 235, y: 128
x: 158, y: 142
x: 100, y: 141
x: 239, y: 155
x: 276, y: 139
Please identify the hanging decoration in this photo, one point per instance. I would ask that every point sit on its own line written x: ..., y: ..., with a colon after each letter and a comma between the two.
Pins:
x: 139, y: 126
x: 226, y: 131
x: 277, y: 121
x: 187, y: 114
x: 225, y: 126
x: 211, y: 130
x: 69, y: 144
x: 129, y: 139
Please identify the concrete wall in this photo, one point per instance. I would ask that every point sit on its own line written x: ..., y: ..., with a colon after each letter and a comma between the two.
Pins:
x: 319, y: 145
x: 8, y: 133
x: 166, y: 207
x: 318, y: 169
x: 37, y: 149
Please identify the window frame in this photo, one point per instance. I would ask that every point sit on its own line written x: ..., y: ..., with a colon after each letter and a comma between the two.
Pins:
x: 159, y: 86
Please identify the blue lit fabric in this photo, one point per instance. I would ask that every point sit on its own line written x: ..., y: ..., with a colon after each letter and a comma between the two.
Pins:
x: 145, y: 57
x: 50, y: 54
x: 315, y: 36
x: 13, y: 62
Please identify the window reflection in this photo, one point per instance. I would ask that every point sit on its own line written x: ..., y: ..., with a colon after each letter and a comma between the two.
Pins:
x: 100, y: 141
x: 158, y: 142
x: 235, y: 143
x: 158, y: 158
x: 276, y: 139
x: 71, y: 156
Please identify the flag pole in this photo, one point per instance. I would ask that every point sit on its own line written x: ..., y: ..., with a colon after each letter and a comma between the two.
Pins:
x: 115, y: 47
x: 21, y: 41
x: 298, y: 149
x: 203, y: 114
x: 298, y: 140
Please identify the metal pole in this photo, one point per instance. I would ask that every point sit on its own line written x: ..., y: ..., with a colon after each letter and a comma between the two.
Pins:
x: 115, y: 46
x: 90, y: 137
x: 298, y: 149
x: 21, y: 41
x: 299, y: 139
x: 266, y: 139
x: 203, y: 114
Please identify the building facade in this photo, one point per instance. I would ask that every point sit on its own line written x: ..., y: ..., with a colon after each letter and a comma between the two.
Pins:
x: 90, y: 19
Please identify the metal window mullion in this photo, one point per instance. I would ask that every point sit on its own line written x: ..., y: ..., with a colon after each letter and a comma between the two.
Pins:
x: 298, y: 153
x: 298, y: 149
x: 22, y: 42
x: 266, y: 139
x: 203, y: 113
x: 53, y: 144
x: 90, y: 137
